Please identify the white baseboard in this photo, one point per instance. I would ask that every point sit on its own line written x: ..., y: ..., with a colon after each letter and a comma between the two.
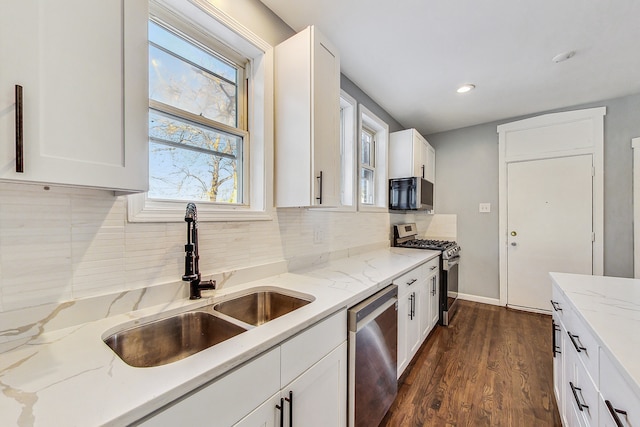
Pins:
x: 476, y: 298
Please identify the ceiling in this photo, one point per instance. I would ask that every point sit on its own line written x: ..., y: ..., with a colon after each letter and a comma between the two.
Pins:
x: 410, y: 56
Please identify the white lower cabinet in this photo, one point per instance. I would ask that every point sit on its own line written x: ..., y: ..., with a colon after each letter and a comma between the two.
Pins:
x: 417, y: 299
x: 618, y: 402
x: 304, y: 380
x: 590, y: 389
x: 316, y: 398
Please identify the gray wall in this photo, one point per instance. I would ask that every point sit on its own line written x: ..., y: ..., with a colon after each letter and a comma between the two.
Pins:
x: 364, y: 99
x: 467, y: 174
x: 261, y: 20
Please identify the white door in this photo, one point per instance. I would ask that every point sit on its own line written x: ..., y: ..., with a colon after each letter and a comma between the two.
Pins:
x: 549, y: 210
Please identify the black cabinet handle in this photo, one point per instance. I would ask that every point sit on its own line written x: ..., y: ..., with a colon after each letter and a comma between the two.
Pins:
x: 555, y: 328
x: 319, y: 199
x: 280, y: 408
x: 555, y: 305
x: 575, y: 390
x: 422, y: 171
x: 290, y: 400
x: 19, y: 131
x: 614, y: 413
x: 579, y: 348
x: 411, y: 282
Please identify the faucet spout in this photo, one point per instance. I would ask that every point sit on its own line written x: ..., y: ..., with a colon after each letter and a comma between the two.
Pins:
x: 191, y: 267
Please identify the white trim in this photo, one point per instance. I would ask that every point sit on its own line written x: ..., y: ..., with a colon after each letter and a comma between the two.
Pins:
x: 596, y: 115
x: 477, y: 298
x: 528, y: 309
x: 207, y: 18
x: 635, y: 145
x: 373, y: 122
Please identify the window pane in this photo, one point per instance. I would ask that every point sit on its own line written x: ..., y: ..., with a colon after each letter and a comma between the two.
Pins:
x: 190, y: 52
x: 366, y: 186
x: 367, y: 149
x: 192, y: 162
x: 179, y: 84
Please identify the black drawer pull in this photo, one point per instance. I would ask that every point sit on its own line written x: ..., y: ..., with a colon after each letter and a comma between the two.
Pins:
x: 290, y: 400
x: 280, y: 408
x: 411, y: 282
x: 555, y: 305
x: 579, y: 348
x: 19, y: 131
x: 614, y: 413
x: 575, y: 390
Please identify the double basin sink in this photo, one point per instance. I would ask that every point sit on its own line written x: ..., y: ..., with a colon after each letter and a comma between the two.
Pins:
x: 174, y: 338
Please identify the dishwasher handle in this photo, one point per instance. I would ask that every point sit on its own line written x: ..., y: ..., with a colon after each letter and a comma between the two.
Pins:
x: 370, y: 308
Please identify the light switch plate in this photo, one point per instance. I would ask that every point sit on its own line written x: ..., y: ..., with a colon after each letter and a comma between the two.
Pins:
x: 485, y: 207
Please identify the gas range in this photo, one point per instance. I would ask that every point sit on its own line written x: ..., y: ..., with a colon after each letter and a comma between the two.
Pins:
x: 404, y: 236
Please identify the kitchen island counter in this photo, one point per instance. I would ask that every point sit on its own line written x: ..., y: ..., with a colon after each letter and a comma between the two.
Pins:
x: 610, y: 307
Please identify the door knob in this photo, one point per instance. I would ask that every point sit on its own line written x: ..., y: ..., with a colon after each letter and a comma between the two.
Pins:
x: 513, y: 233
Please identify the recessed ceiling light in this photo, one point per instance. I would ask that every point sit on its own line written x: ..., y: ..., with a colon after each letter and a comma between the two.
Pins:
x: 563, y: 56
x: 466, y: 88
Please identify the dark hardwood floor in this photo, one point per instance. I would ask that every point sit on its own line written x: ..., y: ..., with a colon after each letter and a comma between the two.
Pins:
x: 491, y: 366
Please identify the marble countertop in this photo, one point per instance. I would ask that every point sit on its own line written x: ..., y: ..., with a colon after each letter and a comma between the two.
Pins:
x: 610, y: 307
x: 70, y: 377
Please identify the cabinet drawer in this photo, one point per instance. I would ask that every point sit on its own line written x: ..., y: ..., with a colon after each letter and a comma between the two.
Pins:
x: 311, y: 345
x: 560, y: 307
x: 619, y: 394
x: 408, y: 280
x: 431, y: 266
x: 582, y: 394
x: 584, y: 344
x: 254, y: 381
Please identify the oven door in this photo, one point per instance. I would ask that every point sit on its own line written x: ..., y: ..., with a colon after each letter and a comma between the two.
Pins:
x: 449, y: 289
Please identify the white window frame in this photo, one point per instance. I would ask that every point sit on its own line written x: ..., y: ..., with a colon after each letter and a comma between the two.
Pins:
x: 369, y: 120
x: 210, y: 21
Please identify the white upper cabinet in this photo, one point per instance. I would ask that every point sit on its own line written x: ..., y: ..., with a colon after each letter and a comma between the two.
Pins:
x: 411, y: 155
x: 82, y: 67
x: 307, y: 121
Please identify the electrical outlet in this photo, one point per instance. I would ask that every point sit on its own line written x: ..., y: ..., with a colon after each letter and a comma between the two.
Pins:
x: 318, y: 235
x: 485, y: 207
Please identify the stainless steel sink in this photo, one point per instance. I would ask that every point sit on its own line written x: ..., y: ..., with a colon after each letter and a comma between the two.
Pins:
x: 171, y: 339
x: 260, y: 307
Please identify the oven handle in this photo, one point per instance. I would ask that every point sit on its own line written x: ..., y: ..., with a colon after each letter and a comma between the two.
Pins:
x: 448, y: 263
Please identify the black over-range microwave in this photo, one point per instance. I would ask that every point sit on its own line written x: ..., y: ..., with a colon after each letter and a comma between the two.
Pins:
x: 411, y: 193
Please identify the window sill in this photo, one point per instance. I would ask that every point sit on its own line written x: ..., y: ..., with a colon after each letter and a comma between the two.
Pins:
x: 140, y: 209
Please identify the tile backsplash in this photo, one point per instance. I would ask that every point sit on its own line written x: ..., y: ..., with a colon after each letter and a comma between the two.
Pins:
x: 64, y: 244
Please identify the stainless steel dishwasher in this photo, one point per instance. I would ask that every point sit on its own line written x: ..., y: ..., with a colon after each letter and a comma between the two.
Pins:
x: 373, y: 355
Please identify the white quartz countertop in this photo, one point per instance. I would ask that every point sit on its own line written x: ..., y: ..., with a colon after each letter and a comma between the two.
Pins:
x: 70, y: 377
x: 610, y: 306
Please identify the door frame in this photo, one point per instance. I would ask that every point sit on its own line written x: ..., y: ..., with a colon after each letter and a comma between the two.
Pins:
x: 591, y: 123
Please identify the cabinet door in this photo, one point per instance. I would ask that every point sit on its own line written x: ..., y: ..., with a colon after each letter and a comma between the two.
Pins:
x: 403, y: 320
x: 434, y: 298
x: 75, y: 61
x: 424, y: 307
x: 430, y: 164
x: 224, y: 401
x: 318, y: 397
x: 307, y: 121
x: 326, y: 122
x: 266, y: 415
x: 419, y: 155
x: 413, y: 324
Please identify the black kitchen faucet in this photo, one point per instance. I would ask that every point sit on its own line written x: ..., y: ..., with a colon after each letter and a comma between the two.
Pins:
x: 191, y: 269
